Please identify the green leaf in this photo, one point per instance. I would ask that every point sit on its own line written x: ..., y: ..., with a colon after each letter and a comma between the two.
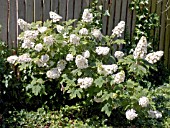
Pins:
x: 107, y: 109
x: 99, y: 82
x: 36, y: 89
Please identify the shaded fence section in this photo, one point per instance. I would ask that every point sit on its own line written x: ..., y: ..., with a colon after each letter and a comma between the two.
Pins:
x: 34, y: 10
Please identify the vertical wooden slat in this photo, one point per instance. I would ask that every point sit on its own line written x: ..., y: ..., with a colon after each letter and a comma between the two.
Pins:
x: 167, y: 39
x: 4, y: 20
x: 123, y: 15
x: 63, y: 8
x: 29, y: 10
x: 105, y: 18
x: 85, y: 3
x: 38, y: 10
x: 111, y: 18
x: 70, y: 9
x: 118, y: 11
x: 133, y: 23
x: 21, y: 12
x: 46, y: 9
x: 162, y: 33
x: 128, y: 19
x: 54, y: 5
x: 77, y: 9
x: 12, y: 33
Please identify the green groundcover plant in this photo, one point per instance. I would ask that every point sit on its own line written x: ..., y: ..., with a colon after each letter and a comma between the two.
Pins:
x: 82, y: 62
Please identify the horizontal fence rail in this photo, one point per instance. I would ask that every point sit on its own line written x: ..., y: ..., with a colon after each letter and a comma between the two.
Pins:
x: 38, y: 10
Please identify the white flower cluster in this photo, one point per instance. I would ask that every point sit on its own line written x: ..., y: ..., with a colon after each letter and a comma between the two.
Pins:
x: 12, y: 59
x: 55, y: 17
x: 81, y: 62
x: 141, y: 49
x: 38, y: 47
x: 30, y: 34
x: 55, y: 73
x: 27, y: 44
x: 155, y: 114
x: 97, y: 34
x: 43, y: 61
x: 154, y: 57
x: 119, y: 54
x: 23, y: 25
x: 59, y: 28
x: 87, y: 16
x: 85, y: 82
x: 61, y: 65
x: 49, y: 40
x: 102, y: 50
x: 86, y: 54
x: 42, y: 29
x: 69, y: 57
x: 107, y: 69
x: 143, y: 101
x: 119, y: 77
x: 74, y: 39
x: 131, y: 114
x: 119, y: 29
x: 83, y: 31
x: 24, y: 58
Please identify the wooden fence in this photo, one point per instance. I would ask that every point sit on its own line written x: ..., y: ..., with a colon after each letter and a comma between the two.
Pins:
x: 33, y: 10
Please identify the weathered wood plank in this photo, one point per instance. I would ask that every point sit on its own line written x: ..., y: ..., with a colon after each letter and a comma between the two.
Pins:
x: 4, y: 20
x: 38, y: 10
x: 54, y: 5
x: 163, y: 22
x: 105, y: 18
x: 118, y: 11
x: 85, y: 4
x: 133, y: 23
x: 63, y: 8
x: 77, y: 9
x: 21, y: 9
x: 128, y: 20
x: 29, y: 10
x: 13, y: 15
x: 112, y: 17
x: 46, y: 9
x: 70, y: 9
x: 123, y: 15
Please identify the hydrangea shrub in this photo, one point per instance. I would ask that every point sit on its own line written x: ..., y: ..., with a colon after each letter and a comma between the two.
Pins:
x: 82, y: 62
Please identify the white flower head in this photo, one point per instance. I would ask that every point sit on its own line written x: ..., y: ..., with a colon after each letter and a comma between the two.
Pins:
x: 87, y: 16
x: 38, y: 47
x: 59, y: 28
x: 23, y: 25
x: 54, y: 73
x: 119, y: 29
x: 143, y: 101
x: 85, y: 82
x: 86, y: 54
x: 119, y: 77
x: 64, y: 43
x: 141, y: 49
x: 83, y: 31
x: 49, y: 40
x: 74, y: 39
x: 102, y: 50
x: 97, y: 34
x: 24, y: 58
x: 155, y: 114
x: 27, y: 44
x: 42, y: 29
x: 61, y: 65
x: 81, y: 62
x: 119, y: 54
x: 154, y: 57
x: 107, y: 69
x: 54, y: 16
x: 12, y: 59
x: 69, y: 57
x: 131, y: 114
x: 31, y: 34
x: 45, y: 58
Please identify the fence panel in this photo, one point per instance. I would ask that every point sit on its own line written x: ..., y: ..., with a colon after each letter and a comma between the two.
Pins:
x: 33, y: 10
